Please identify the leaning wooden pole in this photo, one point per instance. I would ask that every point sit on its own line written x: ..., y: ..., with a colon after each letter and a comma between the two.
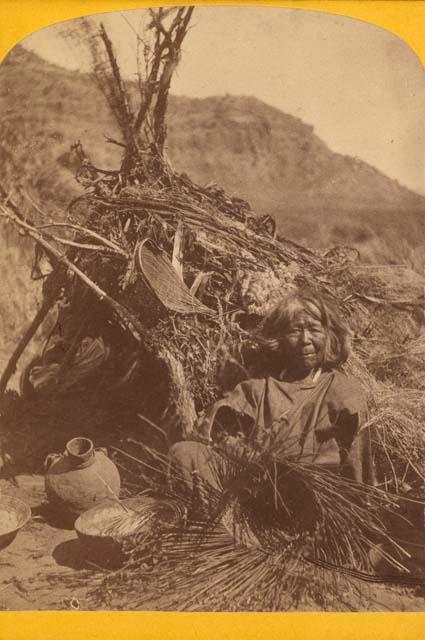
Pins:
x: 23, y: 343
x: 126, y: 318
x: 182, y: 400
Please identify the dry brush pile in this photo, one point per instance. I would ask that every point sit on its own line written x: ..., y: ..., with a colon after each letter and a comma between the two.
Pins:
x: 173, y: 278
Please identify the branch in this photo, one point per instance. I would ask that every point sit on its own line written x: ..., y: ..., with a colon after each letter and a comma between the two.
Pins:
x: 80, y: 245
x: 180, y: 25
x: 119, y: 100
x: 171, y: 40
x: 23, y: 343
x: 76, y: 227
x: 112, y: 141
x: 125, y: 317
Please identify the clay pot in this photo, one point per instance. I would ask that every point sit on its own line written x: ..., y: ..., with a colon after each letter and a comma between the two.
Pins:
x: 80, y: 478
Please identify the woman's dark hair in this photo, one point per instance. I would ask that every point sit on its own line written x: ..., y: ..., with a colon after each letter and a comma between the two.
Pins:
x: 276, y: 323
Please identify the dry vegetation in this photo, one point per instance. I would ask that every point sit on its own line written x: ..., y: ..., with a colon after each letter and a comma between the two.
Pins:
x: 187, y: 337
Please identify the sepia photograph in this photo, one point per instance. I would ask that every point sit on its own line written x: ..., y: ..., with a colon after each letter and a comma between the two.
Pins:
x: 212, y: 375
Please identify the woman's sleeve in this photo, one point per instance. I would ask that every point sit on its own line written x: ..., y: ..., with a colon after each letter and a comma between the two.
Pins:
x: 242, y: 402
x: 349, y: 414
x: 359, y: 462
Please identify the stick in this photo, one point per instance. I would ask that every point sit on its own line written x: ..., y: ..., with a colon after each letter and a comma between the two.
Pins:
x: 118, y: 99
x: 85, y: 231
x: 80, y: 245
x: 177, y: 259
x: 128, y: 321
x: 113, y: 494
x: 23, y: 343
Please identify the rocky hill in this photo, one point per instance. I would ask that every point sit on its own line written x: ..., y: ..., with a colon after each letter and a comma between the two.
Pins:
x: 251, y: 149
x: 273, y: 158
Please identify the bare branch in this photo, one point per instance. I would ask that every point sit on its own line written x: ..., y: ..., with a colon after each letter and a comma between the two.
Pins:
x: 166, y: 56
x: 24, y: 342
x: 126, y: 319
x: 85, y: 231
x: 119, y: 96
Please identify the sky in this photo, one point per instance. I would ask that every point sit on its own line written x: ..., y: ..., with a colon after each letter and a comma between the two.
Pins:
x: 360, y: 86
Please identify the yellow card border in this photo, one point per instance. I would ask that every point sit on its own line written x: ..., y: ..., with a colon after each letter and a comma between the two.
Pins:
x: 19, y: 18
x: 405, y: 18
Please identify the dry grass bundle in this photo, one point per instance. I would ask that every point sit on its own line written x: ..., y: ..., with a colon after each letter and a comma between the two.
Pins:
x: 269, y: 532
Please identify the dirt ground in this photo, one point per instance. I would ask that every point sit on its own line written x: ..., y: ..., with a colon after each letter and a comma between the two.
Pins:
x: 39, y: 550
x: 38, y: 568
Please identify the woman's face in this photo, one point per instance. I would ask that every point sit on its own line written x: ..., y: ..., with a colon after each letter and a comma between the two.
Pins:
x: 303, y: 343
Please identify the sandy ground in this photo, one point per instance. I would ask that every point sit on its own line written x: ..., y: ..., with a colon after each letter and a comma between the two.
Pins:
x: 38, y: 569
x: 39, y: 550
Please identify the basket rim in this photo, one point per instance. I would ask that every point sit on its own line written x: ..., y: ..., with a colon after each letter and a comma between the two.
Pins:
x: 86, y: 515
x: 12, y: 500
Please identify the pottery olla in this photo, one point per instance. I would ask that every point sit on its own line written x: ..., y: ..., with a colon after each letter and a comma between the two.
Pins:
x: 80, y: 478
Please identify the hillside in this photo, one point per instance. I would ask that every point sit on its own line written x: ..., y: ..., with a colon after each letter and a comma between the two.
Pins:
x: 253, y: 150
x: 271, y: 158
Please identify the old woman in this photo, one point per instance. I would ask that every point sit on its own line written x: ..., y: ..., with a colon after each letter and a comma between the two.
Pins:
x: 305, y: 409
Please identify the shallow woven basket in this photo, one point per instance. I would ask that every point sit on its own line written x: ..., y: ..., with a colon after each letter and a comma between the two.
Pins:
x: 22, y: 512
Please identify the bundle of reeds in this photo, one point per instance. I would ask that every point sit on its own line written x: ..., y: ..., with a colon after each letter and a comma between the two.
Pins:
x: 260, y: 543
